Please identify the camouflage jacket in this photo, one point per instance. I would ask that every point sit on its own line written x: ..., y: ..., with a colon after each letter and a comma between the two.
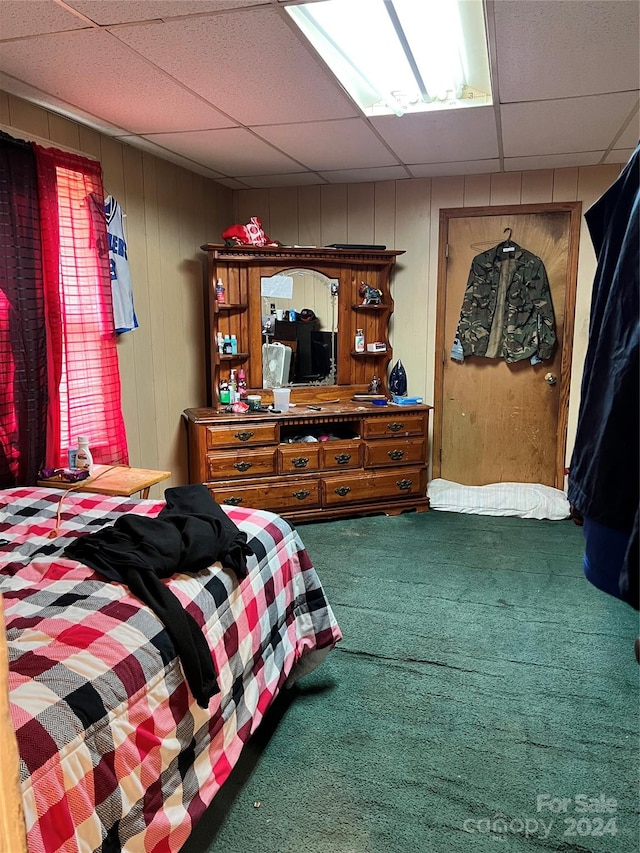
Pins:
x: 507, y: 310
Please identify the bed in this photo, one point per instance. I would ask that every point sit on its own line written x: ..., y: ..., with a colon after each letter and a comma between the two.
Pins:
x: 115, y: 752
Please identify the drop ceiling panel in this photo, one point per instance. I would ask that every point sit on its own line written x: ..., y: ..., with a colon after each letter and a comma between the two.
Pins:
x: 441, y: 137
x: 313, y: 143
x: 355, y: 176
x: 565, y: 126
x: 300, y: 179
x: 122, y: 11
x: 564, y: 59
x: 93, y: 71
x: 232, y: 151
x: 470, y: 167
x: 552, y: 161
x: 619, y: 155
x: 259, y: 74
x: 19, y: 18
x: 170, y: 155
x: 630, y: 135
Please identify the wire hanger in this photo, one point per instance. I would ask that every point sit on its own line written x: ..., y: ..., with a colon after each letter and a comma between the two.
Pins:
x: 503, y: 244
x: 508, y: 245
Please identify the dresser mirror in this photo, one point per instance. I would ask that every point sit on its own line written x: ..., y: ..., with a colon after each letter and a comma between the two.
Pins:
x: 250, y: 325
x: 300, y: 312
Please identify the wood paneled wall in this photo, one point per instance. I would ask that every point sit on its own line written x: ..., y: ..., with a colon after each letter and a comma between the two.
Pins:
x: 405, y: 215
x: 170, y: 212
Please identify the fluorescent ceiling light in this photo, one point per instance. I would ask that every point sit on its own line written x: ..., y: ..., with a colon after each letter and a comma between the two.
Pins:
x: 402, y: 56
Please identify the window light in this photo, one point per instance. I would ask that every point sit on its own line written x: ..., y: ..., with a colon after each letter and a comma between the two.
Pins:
x: 400, y: 56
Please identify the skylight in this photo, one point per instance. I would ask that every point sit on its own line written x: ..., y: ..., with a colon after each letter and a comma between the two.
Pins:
x: 402, y: 56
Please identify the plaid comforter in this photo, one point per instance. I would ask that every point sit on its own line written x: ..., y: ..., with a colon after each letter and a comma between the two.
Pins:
x: 115, y: 752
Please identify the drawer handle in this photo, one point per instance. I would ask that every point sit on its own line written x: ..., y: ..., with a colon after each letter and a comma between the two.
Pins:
x: 242, y: 466
x: 302, y: 494
x: 404, y: 485
x: 232, y: 501
x: 342, y: 458
x: 395, y: 454
x: 395, y: 426
x: 342, y: 491
x: 300, y: 461
x: 243, y: 436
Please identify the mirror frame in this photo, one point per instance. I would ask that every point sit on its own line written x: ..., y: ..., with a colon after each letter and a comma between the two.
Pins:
x: 241, y: 269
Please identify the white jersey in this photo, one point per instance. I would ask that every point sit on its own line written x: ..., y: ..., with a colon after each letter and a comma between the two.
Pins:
x: 124, y: 315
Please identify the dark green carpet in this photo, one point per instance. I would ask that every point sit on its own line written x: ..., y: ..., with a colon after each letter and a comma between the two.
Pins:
x: 478, y: 671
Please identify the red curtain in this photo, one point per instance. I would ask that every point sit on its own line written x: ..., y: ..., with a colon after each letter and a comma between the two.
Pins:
x: 23, y: 355
x: 83, y: 374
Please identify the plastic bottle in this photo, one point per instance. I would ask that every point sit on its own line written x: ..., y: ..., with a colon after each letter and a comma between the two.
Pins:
x: 220, y: 290
x: 225, y: 397
x: 233, y: 387
x: 84, y: 459
x: 359, y: 342
x: 234, y: 345
x: 242, y: 385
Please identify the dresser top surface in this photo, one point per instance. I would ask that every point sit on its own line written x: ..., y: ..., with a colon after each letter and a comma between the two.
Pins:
x: 307, y: 412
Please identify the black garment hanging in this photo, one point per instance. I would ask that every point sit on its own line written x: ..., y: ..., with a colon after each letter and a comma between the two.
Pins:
x: 605, y: 465
x: 188, y: 535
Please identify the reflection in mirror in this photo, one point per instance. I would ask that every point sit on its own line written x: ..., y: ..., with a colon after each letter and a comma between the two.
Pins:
x: 299, y: 328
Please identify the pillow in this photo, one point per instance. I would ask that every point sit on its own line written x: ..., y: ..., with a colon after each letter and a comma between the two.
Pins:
x: 526, y: 500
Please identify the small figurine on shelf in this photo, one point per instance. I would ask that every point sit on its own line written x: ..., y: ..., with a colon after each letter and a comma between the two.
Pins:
x: 374, y: 385
x: 370, y: 295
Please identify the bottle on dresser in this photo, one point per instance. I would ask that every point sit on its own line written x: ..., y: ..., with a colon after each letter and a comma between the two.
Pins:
x: 242, y: 385
x: 224, y: 392
x: 84, y: 459
x: 233, y: 386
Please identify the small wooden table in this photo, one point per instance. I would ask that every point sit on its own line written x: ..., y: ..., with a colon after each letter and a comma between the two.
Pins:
x: 113, y: 480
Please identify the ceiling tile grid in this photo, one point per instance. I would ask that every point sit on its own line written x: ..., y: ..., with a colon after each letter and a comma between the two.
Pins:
x: 230, y: 89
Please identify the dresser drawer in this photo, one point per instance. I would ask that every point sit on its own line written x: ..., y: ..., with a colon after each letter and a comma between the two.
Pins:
x: 340, y: 455
x: 395, y: 423
x: 300, y: 457
x: 241, y: 463
x: 276, y: 496
x: 400, y: 451
x: 242, y: 435
x: 410, y: 482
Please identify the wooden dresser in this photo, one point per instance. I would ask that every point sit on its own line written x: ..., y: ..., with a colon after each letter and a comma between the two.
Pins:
x: 365, y: 459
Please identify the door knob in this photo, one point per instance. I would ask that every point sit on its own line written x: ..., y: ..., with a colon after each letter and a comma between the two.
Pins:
x: 551, y: 379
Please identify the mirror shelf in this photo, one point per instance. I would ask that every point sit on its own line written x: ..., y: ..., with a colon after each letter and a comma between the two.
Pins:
x: 342, y: 276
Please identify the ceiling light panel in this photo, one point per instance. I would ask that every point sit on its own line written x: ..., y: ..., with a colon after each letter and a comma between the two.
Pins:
x: 402, y: 56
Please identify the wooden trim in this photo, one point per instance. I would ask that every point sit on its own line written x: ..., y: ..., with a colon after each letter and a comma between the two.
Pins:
x: 574, y: 209
x: 440, y: 354
x: 12, y: 826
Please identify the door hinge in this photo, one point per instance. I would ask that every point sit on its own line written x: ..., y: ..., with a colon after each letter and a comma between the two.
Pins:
x: 446, y: 251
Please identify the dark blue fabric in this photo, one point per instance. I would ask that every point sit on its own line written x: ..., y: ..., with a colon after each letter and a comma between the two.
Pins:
x: 604, y: 555
x: 605, y: 469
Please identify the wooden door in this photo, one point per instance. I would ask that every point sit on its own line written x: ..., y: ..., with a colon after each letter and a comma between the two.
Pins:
x: 499, y: 422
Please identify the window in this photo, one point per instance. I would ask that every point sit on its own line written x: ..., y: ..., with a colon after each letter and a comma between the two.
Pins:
x: 59, y: 374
